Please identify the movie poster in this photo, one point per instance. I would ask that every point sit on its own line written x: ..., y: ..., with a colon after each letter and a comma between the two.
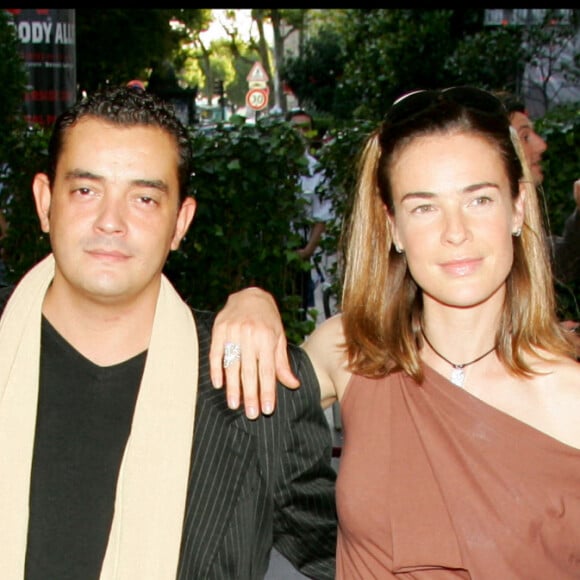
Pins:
x: 47, y: 39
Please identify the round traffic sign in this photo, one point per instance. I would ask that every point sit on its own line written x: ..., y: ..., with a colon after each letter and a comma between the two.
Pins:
x: 257, y: 99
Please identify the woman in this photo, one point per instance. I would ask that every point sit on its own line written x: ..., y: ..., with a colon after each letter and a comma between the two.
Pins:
x: 459, y: 390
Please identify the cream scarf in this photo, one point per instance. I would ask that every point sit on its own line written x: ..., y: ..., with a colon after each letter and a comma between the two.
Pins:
x: 151, y: 491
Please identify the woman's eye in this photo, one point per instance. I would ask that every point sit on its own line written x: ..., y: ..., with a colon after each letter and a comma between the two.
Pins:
x: 424, y: 208
x: 482, y: 200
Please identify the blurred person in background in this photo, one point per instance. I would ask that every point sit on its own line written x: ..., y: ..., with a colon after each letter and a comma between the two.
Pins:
x: 317, y: 211
x: 566, y: 247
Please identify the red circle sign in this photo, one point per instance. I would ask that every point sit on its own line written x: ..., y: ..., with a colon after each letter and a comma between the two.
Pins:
x: 257, y: 99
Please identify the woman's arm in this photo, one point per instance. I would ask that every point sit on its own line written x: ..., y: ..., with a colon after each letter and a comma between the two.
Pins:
x: 252, y: 320
x: 325, y: 348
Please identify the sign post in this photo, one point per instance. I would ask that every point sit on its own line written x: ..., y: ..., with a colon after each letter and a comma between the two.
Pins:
x: 258, y: 92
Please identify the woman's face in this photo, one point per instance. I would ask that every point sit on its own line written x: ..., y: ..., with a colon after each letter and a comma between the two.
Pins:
x: 454, y: 217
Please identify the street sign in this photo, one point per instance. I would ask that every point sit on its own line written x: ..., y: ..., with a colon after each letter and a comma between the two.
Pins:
x: 257, y: 75
x: 257, y: 99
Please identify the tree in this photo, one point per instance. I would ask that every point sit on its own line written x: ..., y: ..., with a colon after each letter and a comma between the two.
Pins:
x: 552, y: 59
x: 491, y: 59
x: 13, y: 75
x: 501, y: 58
x: 314, y: 74
x: 375, y: 55
x: 284, y: 23
x: 394, y: 51
x: 131, y: 42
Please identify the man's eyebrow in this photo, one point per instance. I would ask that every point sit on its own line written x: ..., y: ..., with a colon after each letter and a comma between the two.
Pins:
x: 158, y: 184
x: 152, y: 184
x: 83, y: 174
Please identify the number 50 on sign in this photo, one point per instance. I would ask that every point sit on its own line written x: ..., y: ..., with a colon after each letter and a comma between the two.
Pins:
x: 257, y: 99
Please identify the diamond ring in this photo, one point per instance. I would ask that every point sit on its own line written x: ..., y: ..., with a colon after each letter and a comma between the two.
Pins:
x: 231, y: 353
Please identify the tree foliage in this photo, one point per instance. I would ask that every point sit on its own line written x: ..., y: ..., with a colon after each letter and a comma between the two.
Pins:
x: 490, y: 59
x: 315, y: 72
x: 115, y: 45
x: 378, y: 54
x: 247, y: 191
x: 13, y: 75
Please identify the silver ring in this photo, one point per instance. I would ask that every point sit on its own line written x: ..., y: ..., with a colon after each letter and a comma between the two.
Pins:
x: 231, y: 353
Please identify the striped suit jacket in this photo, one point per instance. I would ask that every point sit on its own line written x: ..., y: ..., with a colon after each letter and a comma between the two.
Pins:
x: 258, y: 484
x: 254, y: 485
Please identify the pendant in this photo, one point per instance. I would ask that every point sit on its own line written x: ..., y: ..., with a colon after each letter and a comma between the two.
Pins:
x: 458, y: 376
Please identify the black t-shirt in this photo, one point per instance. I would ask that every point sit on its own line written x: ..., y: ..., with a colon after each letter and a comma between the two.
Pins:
x: 83, y: 423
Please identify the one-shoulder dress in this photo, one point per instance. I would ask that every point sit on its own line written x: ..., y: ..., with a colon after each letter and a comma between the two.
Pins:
x: 435, y: 484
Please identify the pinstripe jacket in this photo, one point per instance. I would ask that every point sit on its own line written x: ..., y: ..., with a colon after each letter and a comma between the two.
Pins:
x: 254, y: 484
x: 257, y: 484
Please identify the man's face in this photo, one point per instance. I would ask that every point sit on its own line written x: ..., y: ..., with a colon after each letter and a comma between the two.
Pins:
x: 113, y: 213
x: 302, y: 123
x: 533, y: 145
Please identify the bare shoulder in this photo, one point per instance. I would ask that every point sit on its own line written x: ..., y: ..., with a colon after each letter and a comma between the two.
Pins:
x: 562, y: 400
x: 329, y: 330
x: 562, y: 371
x: 325, y: 347
x: 568, y: 376
x: 550, y: 400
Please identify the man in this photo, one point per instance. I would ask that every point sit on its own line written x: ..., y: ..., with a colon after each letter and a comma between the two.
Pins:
x: 317, y: 210
x: 119, y: 459
x: 565, y: 248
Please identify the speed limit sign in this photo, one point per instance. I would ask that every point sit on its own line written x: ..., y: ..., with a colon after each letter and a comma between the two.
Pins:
x: 257, y: 99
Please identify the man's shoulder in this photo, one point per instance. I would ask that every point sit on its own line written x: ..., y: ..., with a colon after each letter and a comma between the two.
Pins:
x: 204, y: 318
x: 5, y: 293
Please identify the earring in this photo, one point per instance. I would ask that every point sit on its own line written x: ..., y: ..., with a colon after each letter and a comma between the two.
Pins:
x: 517, y: 233
x: 397, y: 249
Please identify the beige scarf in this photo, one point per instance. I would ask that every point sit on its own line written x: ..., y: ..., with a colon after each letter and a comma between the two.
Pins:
x: 151, y: 490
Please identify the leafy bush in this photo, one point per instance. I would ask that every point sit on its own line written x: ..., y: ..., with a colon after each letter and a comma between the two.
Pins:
x: 24, y: 243
x: 560, y: 127
x: 561, y: 130
x: 246, y: 186
x: 13, y: 75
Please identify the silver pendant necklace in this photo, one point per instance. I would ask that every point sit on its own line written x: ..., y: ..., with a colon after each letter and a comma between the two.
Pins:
x: 458, y: 372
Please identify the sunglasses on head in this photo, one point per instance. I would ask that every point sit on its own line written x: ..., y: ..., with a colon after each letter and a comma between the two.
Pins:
x: 416, y: 102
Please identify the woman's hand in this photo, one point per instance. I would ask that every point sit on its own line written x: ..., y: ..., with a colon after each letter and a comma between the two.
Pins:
x: 251, y: 320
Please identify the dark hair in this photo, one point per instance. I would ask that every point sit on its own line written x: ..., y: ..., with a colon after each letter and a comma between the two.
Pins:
x: 511, y: 102
x: 128, y: 108
x: 298, y: 111
x: 459, y: 108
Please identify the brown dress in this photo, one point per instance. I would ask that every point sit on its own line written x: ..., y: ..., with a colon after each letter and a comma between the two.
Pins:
x: 436, y: 484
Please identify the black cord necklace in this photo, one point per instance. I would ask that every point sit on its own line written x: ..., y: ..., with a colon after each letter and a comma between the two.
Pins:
x: 457, y: 374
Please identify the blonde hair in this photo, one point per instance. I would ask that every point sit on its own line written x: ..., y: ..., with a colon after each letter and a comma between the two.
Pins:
x: 381, y: 303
